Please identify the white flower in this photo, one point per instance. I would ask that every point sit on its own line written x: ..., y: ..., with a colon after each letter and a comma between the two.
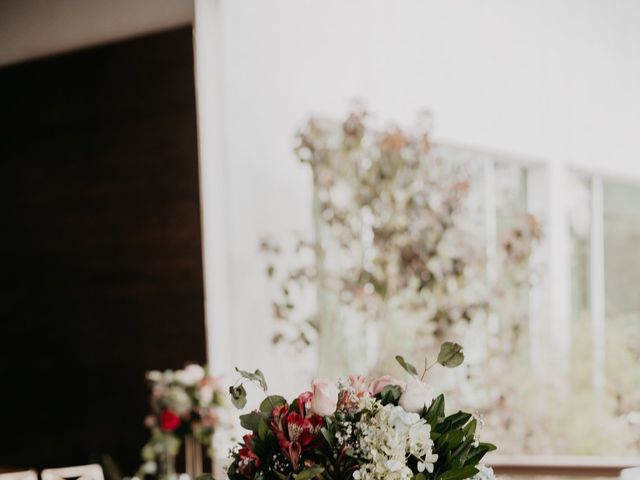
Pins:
x: 154, y: 376
x: 394, y: 465
x: 325, y: 397
x: 388, y: 437
x: 191, y: 375
x: 484, y: 473
x: 416, y: 396
x: 149, y: 467
x: 177, y: 400
x: 428, y: 463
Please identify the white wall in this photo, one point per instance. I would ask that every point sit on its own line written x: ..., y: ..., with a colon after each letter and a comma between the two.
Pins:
x: 35, y: 28
x: 553, y: 79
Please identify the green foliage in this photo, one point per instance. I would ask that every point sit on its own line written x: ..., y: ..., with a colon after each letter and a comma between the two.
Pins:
x: 251, y: 421
x: 271, y: 402
x: 257, y: 377
x: 238, y: 396
x: 450, y: 355
x: 390, y: 394
x: 308, y: 474
x: 454, y: 442
x: 410, y: 369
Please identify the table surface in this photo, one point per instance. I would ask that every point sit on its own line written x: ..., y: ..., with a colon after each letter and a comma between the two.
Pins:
x: 564, y: 465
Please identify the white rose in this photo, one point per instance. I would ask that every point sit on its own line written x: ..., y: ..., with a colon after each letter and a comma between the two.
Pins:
x: 325, y: 397
x: 191, y: 375
x: 416, y: 396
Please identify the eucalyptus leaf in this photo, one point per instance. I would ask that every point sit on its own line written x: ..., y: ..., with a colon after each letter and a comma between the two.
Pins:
x: 261, y: 380
x: 251, y: 421
x: 406, y: 365
x: 272, y: 401
x: 256, y: 376
x: 245, y: 374
x: 238, y: 396
x: 450, y: 355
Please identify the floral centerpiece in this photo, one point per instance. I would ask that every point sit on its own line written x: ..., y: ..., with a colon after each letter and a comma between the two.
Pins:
x: 385, y: 429
x: 184, y: 409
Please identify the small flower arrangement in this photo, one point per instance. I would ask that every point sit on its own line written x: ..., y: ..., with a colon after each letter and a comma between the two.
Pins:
x: 184, y: 404
x: 387, y: 429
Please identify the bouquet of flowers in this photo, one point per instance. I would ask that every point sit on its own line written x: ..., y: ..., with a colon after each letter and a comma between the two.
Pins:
x: 387, y: 429
x: 184, y: 405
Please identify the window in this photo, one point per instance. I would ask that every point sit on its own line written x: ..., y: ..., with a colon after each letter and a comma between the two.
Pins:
x: 604, y: 221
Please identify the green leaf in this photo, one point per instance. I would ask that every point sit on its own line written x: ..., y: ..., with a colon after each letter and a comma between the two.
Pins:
x: 271, y: 402
x: 435, y: 413
x: 308, y: 474
x: 476, y: 454
x: 455, y: 439
x: 450, y: 355
x: 327, y: 436
x: 470, y: 428
x: 263, y: 429
x: 251, y: 421
x: 460, y: 453
x: 459, y: 473
x: 419, y: 476
x: 261, y: 379
x: 407, y: 366
x: 238, y: 396
x: 390, y: 394
x: 454, y: 421
x: 256, y: 376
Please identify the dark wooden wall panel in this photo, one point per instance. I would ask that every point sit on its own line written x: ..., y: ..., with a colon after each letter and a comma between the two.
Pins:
x: 100, y: 251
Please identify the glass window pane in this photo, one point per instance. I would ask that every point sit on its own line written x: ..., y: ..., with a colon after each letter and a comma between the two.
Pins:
x: 621, y: 205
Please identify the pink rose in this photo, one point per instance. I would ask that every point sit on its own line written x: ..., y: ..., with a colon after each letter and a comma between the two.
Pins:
x: 378, y: 384
x: 416, y: 396
x: 325, y: 397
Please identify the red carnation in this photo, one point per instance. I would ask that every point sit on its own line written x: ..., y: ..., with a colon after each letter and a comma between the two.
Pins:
x: 169, y: 421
